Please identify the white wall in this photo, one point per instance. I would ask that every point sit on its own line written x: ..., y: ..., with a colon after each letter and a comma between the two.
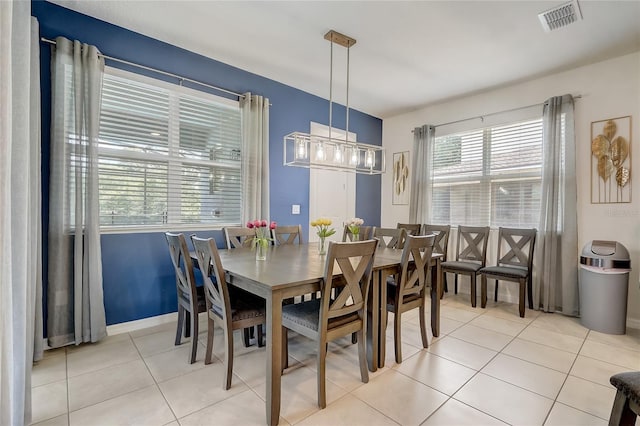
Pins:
x: 609, y: 89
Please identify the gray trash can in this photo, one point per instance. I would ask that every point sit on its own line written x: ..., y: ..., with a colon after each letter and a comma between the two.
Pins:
x: 603, y: 286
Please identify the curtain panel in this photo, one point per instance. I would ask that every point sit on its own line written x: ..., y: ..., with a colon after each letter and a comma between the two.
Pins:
x: 255, y: 157
x: 556, y: 262
x: 421, y: 178
x: 75, y: 295
x: 21, y: 338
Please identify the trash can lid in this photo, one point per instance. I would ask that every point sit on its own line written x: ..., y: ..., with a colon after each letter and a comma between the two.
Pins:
x: 605, y: 254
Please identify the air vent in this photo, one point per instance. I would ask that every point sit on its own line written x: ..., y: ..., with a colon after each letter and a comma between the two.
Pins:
x: 560, y: 16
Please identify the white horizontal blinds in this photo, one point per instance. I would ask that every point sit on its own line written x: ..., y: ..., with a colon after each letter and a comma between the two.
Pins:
x: 210, y: 152
x: 489, y: 176
x: 515, y: 169
x: 458, y: 174
x: 167, y: 157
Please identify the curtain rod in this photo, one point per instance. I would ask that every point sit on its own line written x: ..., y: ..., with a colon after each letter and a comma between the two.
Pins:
x: 481, y: 117
x: 179, y: 77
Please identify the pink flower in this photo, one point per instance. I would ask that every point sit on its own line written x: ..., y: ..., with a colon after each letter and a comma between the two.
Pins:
x: 263, y: 223
x: 257, y: 223
x: 250, y: 225
x: 272, y: 225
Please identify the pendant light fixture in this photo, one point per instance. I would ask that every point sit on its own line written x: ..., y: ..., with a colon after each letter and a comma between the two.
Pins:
x: 322, y: 152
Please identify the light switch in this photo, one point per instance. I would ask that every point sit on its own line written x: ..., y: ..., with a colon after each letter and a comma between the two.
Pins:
x: 295, y: 209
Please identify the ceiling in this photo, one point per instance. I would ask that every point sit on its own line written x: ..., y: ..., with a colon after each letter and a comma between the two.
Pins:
x: 408, y: 53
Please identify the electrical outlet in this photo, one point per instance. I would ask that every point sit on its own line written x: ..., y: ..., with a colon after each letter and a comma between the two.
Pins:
x: 295, y: 209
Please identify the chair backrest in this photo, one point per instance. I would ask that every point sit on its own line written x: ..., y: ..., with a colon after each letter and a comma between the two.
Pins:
x: 355, y: 260
x: 472, y: 244
x: 441, y: 244
x: 287, y: 234
x: 415, y: 266
x: 237, y: 237
x: 365, y: 233
x: 216, y: 294
x: 411, y: 228
x: 183, y: 267
x: 390, y: 237
x: 518, y: 245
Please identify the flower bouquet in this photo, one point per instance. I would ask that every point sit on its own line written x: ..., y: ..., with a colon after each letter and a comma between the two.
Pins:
x: 354, y: 227
x: 322, y: 225
x: 261, y: 240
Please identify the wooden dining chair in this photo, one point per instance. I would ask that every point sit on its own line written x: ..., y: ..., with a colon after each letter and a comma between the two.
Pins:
x: 390, y: 237
x: 365, y: 233
x: 515, y: 263
x: 327, y: 318
x: 229, y: 310
x: 236, y: 237
x: 191, y: 300
x: 287, y: 234
x: 441, y: 244
x: 471, y: 256
x: 407, y: 289
x: 626, y: 404
x: 411, y: 228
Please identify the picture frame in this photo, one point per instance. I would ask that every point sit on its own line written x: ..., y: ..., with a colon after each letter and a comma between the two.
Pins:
x: 401, y: 177
x: 611, y: 172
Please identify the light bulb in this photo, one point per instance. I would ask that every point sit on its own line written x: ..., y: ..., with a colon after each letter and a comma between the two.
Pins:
x: 354, y: 156
x: 320, y: 152
x: 370, y: 159
x: 301, y: 151
x: 337, y: 154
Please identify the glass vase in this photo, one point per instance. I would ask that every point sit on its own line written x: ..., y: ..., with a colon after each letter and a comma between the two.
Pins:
x: 322, y: 246
x: 261, y: 251
x: 355, y: 237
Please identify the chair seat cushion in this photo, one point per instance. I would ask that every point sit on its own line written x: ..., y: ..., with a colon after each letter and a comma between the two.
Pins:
x: 505, y: 271
x: 244, y: 306
x: 629, y: 384
x: 307, y: 314
x: 455, y: 265
x: 391, y: 294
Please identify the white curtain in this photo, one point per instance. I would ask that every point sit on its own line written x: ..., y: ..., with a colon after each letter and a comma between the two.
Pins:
x: 421, y: 172
x: 75, y: 298
x: 20, y: 195
x: 255, y: 157
x: 556, y: 261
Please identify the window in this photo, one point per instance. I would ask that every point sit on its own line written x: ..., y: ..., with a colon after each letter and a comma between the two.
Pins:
x: 167, y: 155
x: 488, y: 176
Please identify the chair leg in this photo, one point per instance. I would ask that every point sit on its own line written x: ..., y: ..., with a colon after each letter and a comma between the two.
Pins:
x: 194, y: 338
x: 530, y: 290
x: 228, y: 358
x: 472, y: 280
x: 444, y: 282
x: 483, y: 291
x: 322, y: 358
x: 187, y: 324
x: 621, y: 413
x: 455, y: 283
x: 362, y: 355
x: 180, y: 325
x: 495, y: 295
x: 246, y: 337
x: 210, y: 332
x: 260, y: 334
x: 285, y: 349
x: 423, y: 325
x: 521, y: 302
x: 397, y: 335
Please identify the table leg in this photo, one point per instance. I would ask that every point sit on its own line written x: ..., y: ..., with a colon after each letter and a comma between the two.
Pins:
x: 436, y: 277
x: 373, y: 321
x: 382, y: 330
x: 274, y: 357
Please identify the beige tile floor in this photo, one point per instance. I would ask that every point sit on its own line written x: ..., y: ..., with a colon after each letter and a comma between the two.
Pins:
x: 488, y: 367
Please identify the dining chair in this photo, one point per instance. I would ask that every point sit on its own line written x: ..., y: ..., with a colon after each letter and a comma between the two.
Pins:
x: 287, y: 234
x: 191, y: 300
x: 514, y: 265
x: 471, y: 256
x: 411, y: 228
x: 327, y: 318
x: 231, y: 310
x: 441, y: 245
x: 626, y: 404
x: 390, y: 237
x: 365, y: 233
x: 407, y: 289
x: 236, y: 237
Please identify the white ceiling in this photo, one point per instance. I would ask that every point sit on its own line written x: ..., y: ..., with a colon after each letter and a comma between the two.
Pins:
x: 408, y: 53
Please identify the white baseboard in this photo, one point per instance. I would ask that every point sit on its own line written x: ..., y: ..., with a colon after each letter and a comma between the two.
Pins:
x: 633, y: 323
x: 126, y: 327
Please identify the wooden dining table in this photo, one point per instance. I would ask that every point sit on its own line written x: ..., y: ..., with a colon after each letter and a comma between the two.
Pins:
x: 295, y: 270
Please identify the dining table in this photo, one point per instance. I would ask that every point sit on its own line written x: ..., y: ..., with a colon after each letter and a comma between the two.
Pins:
x: 296, y: 270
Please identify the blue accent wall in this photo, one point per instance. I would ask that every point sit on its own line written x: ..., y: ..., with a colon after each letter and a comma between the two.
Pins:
x: 138, y: 277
